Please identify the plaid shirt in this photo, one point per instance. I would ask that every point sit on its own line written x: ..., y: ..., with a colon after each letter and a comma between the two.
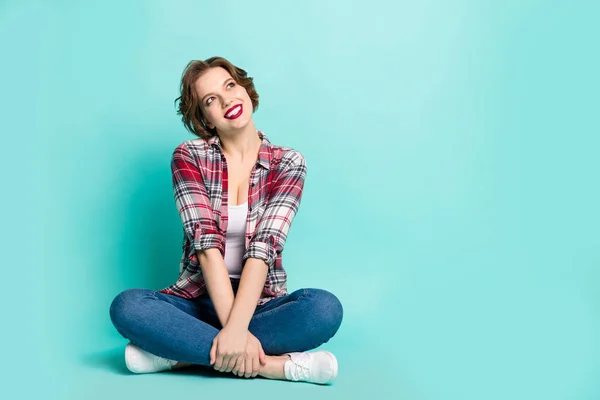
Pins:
x: 200, y: 187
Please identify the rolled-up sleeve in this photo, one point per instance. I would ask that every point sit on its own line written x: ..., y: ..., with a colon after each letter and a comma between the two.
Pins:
x: 192, y: 201
x: 284, y: 200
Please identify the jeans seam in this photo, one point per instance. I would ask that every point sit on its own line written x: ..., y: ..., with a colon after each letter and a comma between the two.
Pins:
x: 278, y: 308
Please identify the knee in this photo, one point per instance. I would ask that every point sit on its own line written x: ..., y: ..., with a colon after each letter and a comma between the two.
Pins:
x: 328, y: 309
x: 126, y: 305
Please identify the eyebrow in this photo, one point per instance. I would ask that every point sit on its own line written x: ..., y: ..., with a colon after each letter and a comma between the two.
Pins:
x: 226, y: 80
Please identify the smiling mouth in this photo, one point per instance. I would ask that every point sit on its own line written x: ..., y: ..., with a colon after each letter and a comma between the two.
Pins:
x: 234, y: 112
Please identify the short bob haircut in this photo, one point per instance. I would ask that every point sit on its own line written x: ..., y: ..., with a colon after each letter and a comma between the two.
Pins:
x: 189, y: 104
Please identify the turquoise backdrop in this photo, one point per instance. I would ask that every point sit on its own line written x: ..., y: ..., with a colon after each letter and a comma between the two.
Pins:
x: 451, y: 200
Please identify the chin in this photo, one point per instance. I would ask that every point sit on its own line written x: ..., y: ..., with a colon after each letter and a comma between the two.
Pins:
x: 241, y: 122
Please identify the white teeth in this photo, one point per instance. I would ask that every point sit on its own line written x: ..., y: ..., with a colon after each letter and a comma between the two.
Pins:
x: 234, y: 111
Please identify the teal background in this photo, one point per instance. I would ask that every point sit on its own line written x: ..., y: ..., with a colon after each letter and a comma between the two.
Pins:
x: 451, y: 200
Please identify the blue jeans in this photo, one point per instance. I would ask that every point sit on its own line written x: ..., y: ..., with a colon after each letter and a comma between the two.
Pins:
x: 183, y: 330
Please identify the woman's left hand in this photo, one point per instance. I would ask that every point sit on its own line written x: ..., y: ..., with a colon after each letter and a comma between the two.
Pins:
x: 227, y: 347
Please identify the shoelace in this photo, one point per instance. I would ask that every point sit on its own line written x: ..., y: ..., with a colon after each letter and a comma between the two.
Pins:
x: 301, y: 362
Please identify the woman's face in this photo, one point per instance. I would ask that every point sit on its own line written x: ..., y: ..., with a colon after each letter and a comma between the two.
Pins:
x: 225, y: 104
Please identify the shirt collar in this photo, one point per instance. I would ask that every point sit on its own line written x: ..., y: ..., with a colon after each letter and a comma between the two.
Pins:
x: 264, y: 153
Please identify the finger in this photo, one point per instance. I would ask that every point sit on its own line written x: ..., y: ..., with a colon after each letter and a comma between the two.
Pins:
x: 231, y: 364
x: 240, y: 366
x: 219, y: 361
x: 213, y: 353
x: 237, y: 366
x: 248, y: 366
x: 225, y: 363
x: 255, y: 366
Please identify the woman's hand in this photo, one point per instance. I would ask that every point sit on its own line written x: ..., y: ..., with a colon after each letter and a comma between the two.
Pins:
x: 248, y: 365
x: 228, y: 346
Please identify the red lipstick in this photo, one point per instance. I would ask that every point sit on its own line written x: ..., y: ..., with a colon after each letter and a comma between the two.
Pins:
x: 237, y: 109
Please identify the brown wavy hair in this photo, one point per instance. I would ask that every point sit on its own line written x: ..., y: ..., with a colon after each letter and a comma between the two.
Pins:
x: 189, y: 104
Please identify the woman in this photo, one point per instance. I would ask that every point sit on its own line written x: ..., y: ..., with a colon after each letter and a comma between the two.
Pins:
x: 236, y: 194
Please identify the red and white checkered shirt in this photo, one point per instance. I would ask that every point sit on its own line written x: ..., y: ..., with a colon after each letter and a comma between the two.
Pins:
x: 200, y: 186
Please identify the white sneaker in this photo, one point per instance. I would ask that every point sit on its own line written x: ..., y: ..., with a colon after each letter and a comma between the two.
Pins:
x: 139, y: 361
x: 315, y: 367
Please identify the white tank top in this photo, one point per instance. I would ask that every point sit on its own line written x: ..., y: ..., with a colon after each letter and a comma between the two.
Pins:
x: 235, y: 240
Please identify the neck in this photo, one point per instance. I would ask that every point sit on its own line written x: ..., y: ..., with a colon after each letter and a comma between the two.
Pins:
x: 242, y: 143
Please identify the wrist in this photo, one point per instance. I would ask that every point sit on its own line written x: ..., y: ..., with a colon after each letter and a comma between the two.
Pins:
x: 251, y: 336
x: 235, y: 326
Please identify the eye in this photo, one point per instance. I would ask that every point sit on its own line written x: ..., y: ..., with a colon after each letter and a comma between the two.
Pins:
x: 208, y: 101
